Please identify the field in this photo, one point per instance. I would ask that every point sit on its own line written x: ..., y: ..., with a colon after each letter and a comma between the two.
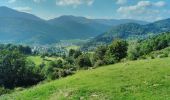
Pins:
x: 134, y: 80
x: 38, y: 60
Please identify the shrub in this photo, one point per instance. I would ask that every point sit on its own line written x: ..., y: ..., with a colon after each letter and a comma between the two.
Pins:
x: 162, y: 55
x: 99, y: 63
x: 4, y: 91
x: 15, y: 70
x: 83, y: 61
x: 118, y: 50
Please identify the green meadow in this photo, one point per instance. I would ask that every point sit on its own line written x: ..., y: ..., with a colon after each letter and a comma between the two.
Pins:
x: 133, y: 80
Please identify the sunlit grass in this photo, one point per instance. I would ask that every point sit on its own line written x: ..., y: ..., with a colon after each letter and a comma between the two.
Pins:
x: 138, y: 80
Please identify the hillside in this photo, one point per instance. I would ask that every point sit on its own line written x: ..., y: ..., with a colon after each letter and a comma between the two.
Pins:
x: 21, y: 27
x: 87, y: 27
x: 141, y: 80
x: 131, y: 31
x: 79, y: 26
x: 115, y: 22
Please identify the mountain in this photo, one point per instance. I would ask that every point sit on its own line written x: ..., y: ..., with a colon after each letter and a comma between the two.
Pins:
x: 6, y: 12
x: 130, y: 31
x: 21, y: 27
x: 89, y: 27
x: 79, y: 26
x: 114, y: 22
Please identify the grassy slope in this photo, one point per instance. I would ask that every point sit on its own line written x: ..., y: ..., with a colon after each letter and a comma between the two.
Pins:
x: 38, y: 60
x: 141, y: 80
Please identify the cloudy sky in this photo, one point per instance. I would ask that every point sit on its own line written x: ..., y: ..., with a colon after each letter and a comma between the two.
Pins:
x: 149, y: 10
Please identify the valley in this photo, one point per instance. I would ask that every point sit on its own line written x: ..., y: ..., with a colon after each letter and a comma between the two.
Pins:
x: 84, y: 50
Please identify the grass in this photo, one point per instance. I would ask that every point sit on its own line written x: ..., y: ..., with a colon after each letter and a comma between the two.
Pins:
x: 135, y: 80
x: 38, y: 60
x: 72, y: 47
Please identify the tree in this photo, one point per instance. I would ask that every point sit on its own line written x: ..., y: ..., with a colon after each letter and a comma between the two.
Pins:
x: 25, y: 49
x: 134, y: 51
x: 15, y: 70
x: 100, y: 53
x: 109, y: 58
x: 74, y: 53
x: 71, y: 52
x: 77, y: 54
x: 117, y: 50
x: 83, y: 61
x: 98, y: 56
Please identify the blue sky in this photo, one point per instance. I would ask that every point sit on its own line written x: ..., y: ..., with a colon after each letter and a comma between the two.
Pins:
x: 149, y: 10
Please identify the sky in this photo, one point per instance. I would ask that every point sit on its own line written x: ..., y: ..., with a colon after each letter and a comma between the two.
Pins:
x: 148, y: 10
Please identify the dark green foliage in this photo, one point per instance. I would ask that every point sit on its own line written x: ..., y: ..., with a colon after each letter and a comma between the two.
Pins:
x: 58, y: 69
x: 84, y: 61
x: 22, y: 49
x: 100, y: 53
x: 77, y: 54
x: 16, y: 71
x: 71, y: 52
x: 146, y: 46
x: 99, y: 63
x: 4, y: 91
x: 109, y: 58
x: 160, y: 53
x: 130, y: 31
x: 110, y: 54
x: 74, y: 53
x: 70, y: 60
x: 118, y: 50
x: 133, y: 51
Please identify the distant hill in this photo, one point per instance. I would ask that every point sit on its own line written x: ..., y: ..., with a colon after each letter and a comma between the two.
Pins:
x: 6, y: 12
x: 83, y: 27
x: 20, y: 27
x: 23, y: 27
x: 79, y: 27
x: 115, y: 22
x: 130, y: 30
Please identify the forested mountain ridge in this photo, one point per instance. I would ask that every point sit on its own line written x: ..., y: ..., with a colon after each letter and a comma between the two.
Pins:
x: 131, y: 31
x: 20, y: 27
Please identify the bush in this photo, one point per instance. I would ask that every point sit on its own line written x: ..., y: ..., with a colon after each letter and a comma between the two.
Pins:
x: 162, y: 55
x: 59, y: 68
x: 109, y: 58
x: 15, y: 70
x: 99, y: 63
x: 100, y: 53
x: 4, y: 91
x: 74, y: 53
x: 116, y: 51
x: 83, y: 61
x: 133, y: 51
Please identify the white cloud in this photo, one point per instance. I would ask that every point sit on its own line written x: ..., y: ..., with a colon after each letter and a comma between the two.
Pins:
x: 23, y: 9
x: 142, y: 5
x: 160, y: 4
x: 12, y: 1
x: 142, y: 10
x: 38, y: 1
x: 120, y: 2
x: 74, y: 3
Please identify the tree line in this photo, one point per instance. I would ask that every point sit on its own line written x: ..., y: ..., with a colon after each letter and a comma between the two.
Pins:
x: 17, y: 71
